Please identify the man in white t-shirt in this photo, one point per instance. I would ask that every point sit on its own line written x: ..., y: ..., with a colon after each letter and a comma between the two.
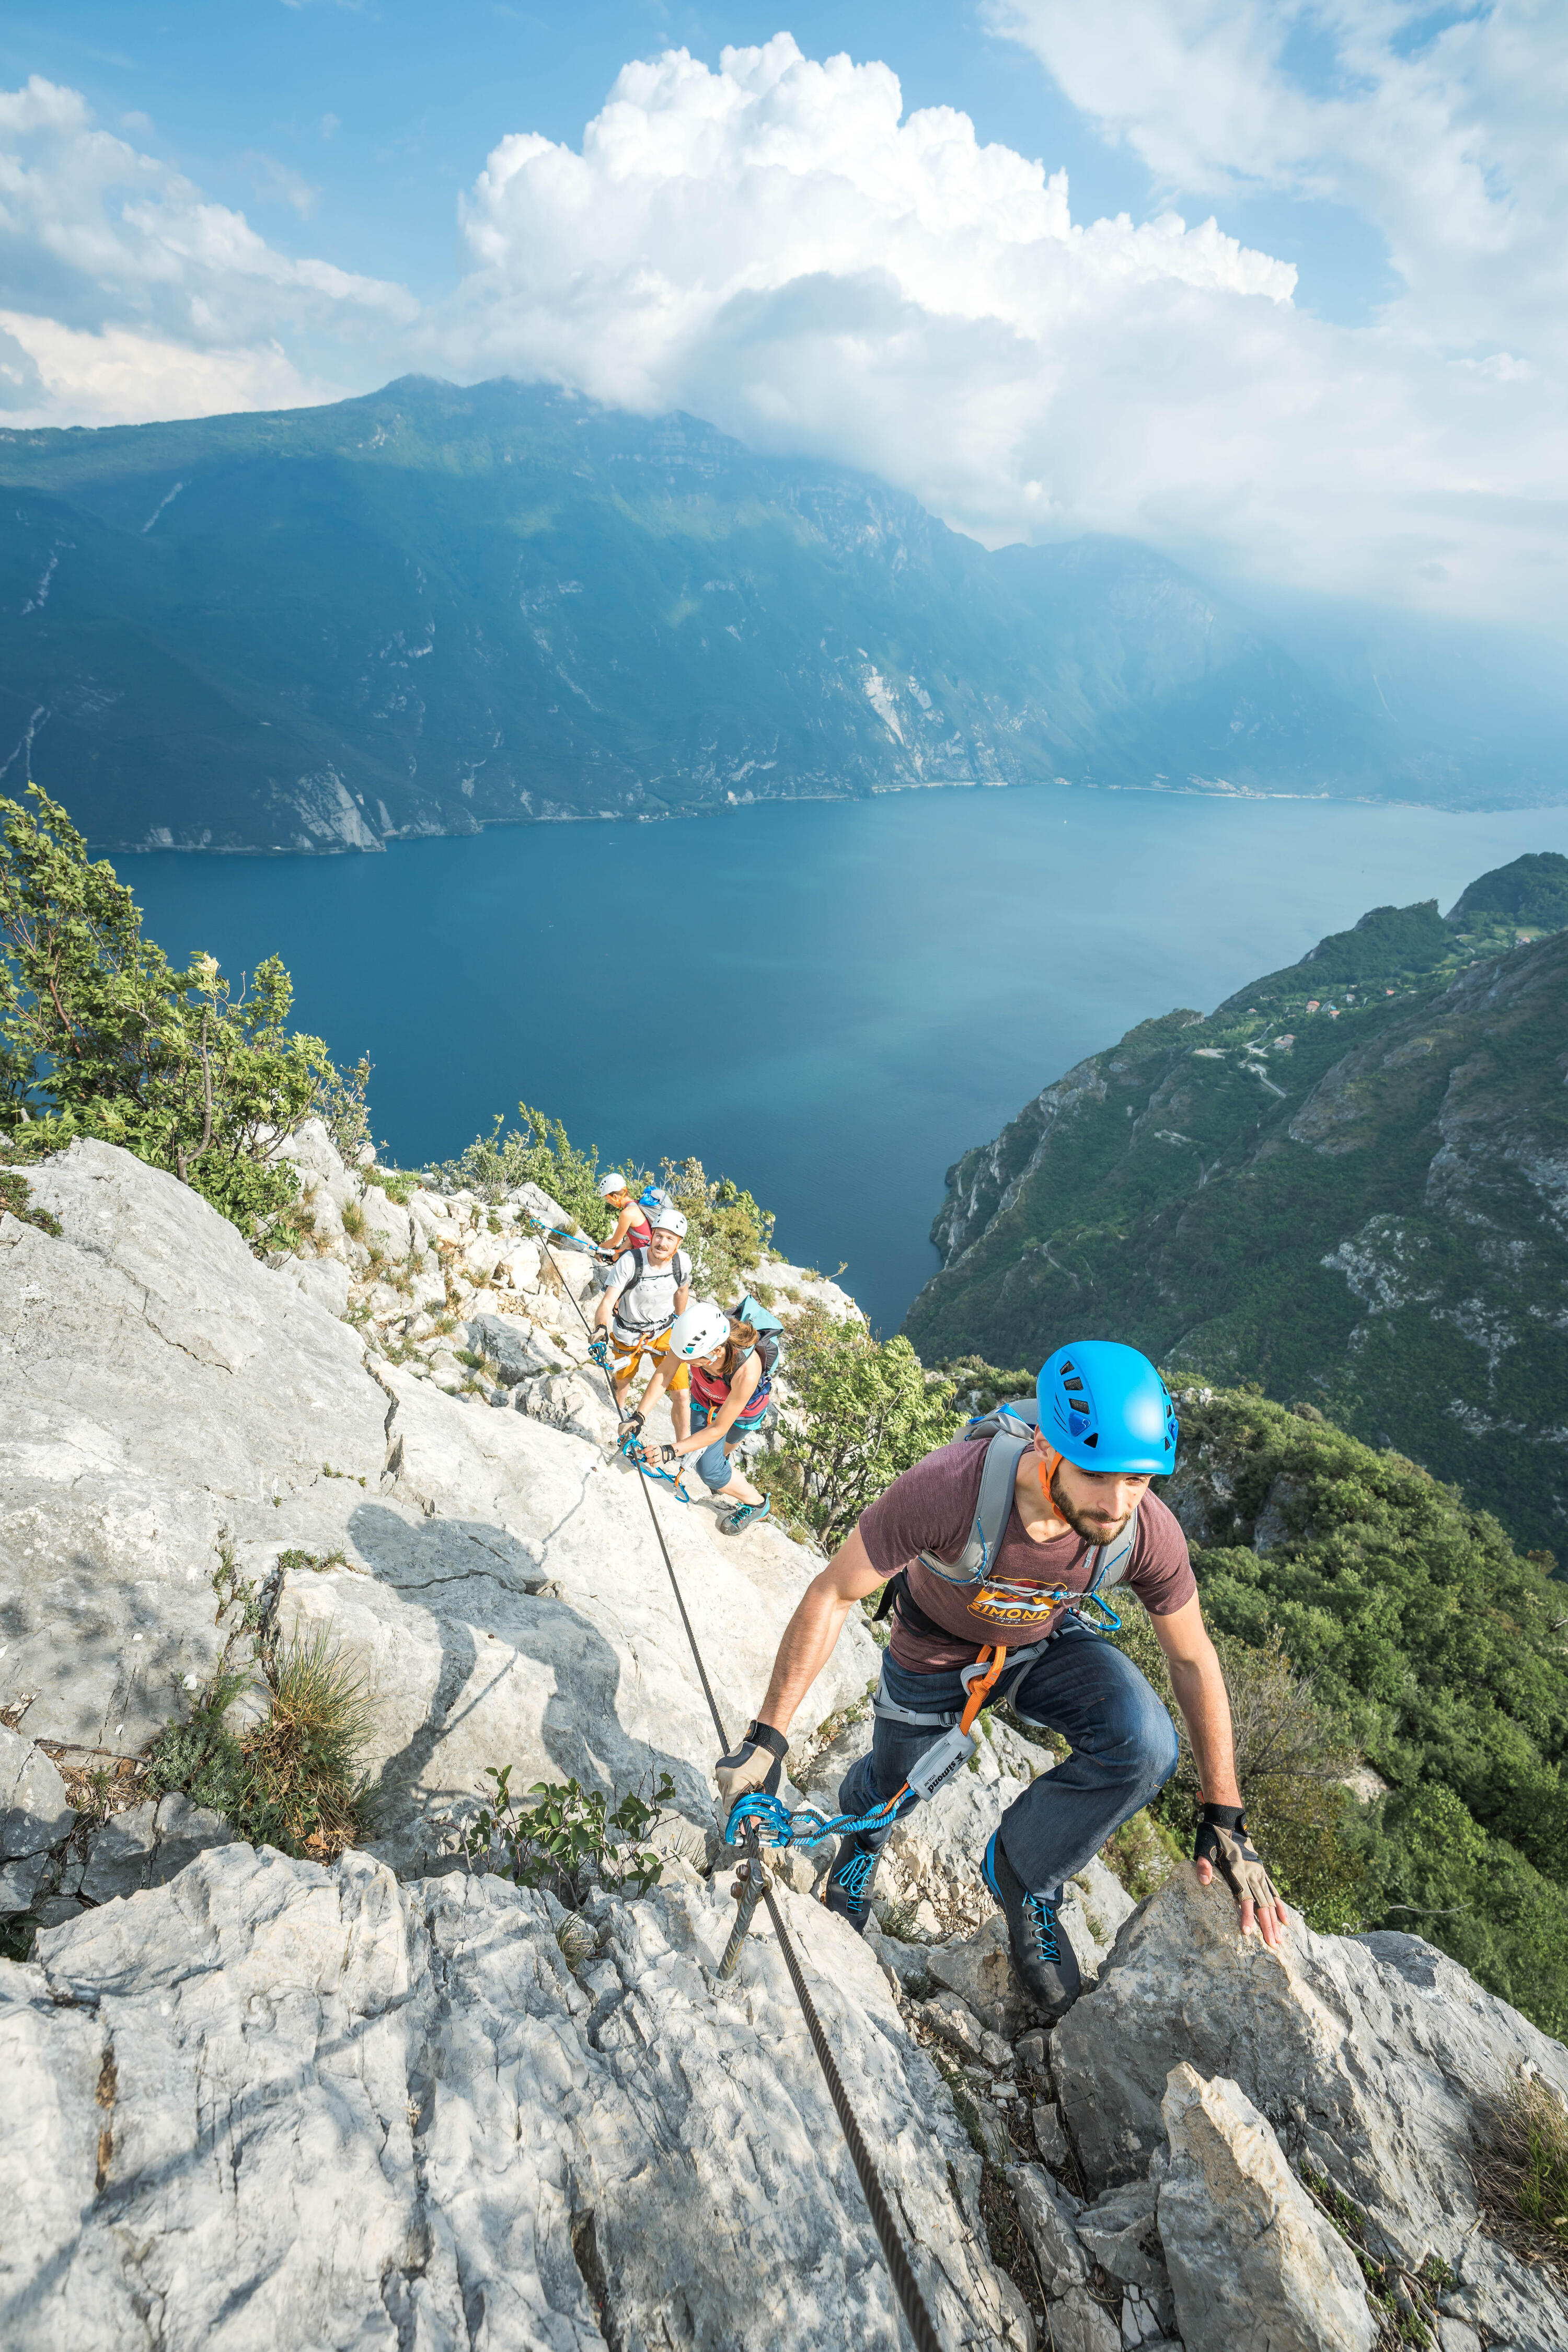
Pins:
x: 646, y: 1290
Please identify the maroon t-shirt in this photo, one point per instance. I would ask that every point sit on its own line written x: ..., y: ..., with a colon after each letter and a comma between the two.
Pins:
x: 932, y: 1507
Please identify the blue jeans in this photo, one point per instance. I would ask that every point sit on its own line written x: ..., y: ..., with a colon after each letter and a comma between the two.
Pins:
x: 1123, y: 1741
x: 714, y: 1467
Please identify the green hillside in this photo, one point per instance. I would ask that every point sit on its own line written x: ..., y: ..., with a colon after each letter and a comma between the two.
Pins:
x: 1349, y: 1183
x: 435, y: 608
x: 1431, y: 1647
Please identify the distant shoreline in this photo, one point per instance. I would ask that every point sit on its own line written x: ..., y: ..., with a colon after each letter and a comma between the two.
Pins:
x: 1216, y: 792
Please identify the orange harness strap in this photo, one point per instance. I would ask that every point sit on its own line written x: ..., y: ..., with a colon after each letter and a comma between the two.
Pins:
x: 979, y: 1692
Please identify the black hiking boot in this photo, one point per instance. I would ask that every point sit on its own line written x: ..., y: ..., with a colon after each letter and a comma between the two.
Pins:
x: 1041, y: 1953
x: 849, y: 1882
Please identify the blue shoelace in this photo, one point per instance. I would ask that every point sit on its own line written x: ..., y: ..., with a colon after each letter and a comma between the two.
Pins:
x: 855, y: 1876
x: 1043, y: 1920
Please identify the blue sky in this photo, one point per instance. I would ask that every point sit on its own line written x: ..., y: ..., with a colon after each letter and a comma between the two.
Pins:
x: 1276, y: 285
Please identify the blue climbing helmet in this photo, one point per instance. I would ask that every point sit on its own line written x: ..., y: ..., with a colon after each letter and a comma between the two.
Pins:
x: 1104, y: 1407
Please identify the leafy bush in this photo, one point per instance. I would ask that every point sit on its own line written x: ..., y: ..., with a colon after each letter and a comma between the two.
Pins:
x: 980, y: 1386
x: 566, y: 1838
x: 100, y: 1036
x: 538, y: 1152
x: 291, y: 1780
x: 1291, y: 1758
x: 861, y: 1411
x: 727, y: 1233
x: 1439, y: 1648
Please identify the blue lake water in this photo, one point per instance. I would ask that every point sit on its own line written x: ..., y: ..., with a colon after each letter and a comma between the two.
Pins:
x: 828, y: 1001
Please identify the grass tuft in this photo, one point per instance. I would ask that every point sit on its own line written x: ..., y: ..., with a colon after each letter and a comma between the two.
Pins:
x: 303, y: 1760
x: 1523, y: 2175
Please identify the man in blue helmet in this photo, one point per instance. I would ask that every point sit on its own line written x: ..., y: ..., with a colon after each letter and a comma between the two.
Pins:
x: 992, y: 1580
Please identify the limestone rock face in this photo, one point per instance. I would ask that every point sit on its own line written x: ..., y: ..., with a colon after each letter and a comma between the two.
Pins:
x: 1376, y: 2058
x: 273, y: 2105
x: 497, y: 1579
x: 157, y: 1387
x: 1254, y: 2266
x: 34, y: 1817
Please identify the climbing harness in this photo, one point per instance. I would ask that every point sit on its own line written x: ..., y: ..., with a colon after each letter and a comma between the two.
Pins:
x: 757, y: 1886
x: 776, y: 1825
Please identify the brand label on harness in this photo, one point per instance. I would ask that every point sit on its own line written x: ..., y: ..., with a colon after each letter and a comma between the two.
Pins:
x: 936, y: 1768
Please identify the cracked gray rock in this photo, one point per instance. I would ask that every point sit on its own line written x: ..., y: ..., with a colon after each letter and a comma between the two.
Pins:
x: 1375, y: 2058
x: 1254, y: 2266
x: 35, y: 1818
x: 272, y: 2105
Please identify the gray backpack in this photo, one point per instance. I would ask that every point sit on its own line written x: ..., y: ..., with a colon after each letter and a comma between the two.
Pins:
x: 1007, y: 1434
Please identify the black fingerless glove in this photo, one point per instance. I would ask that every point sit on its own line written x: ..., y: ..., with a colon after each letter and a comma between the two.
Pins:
x: 1222, y: 1841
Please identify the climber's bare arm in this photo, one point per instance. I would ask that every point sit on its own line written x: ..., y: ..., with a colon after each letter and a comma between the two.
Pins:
x: 812, y: 1631
x: 1201, y: 1695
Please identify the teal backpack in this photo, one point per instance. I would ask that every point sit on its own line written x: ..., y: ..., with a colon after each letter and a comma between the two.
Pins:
x: 769, y: 1332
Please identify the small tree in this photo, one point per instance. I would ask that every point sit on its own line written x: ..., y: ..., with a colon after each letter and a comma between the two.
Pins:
x: 100, y: 1036
x: 860, y: 1411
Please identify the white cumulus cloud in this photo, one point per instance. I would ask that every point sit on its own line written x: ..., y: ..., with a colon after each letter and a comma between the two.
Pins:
x: 775, y: 246
x: 131, y: 295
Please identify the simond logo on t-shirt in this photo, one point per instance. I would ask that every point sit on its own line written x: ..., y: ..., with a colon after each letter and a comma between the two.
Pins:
x: 1009, y: 1608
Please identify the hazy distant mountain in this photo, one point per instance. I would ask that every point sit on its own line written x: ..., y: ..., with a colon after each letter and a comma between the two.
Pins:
x: 1347, y: 1183
x: 433, y: 609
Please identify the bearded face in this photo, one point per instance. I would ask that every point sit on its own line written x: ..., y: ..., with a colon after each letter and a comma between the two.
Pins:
x: 1098, y: 1510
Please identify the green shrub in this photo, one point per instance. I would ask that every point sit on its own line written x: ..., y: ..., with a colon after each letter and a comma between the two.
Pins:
x: 538, y: 1152
x: 16, y: 1197
x: 980, y: 1387
x: 727, y: 1233
x: 861, y: 1411
x: 565, y: 1838
x: 291, y: 1778
x: 101, y: 1036
x: 1291, y: 1758
x: 1438, y: 1649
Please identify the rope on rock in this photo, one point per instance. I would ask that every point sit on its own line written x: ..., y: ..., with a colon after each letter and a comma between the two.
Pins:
x: 906, y: 2285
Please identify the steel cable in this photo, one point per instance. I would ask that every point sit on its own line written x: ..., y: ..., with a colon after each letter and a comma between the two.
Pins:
x: 906, y: 2285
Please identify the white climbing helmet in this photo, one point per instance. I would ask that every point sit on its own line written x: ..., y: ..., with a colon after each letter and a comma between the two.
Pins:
x: 698, y: 1331
x: 668, y: 1221
x: 612, y: 1183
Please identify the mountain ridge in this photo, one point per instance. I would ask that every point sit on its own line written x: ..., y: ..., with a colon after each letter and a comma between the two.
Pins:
x: 434, y: 608
x: 1359, y: 1201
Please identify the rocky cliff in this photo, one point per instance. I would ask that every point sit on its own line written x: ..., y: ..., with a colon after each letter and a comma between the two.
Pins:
x: 1347, y: 1183
x: 397, y: 2100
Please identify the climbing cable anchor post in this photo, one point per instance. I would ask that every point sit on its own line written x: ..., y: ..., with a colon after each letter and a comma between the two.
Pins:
x: 752, y: 1883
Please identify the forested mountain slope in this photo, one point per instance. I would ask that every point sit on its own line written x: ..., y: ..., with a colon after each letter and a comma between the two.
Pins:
x: 434, y: 608
x: 1349, y: 1183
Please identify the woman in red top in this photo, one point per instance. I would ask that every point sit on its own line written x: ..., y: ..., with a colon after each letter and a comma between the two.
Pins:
x: 730, y: 1394
x: 632, y: 1229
